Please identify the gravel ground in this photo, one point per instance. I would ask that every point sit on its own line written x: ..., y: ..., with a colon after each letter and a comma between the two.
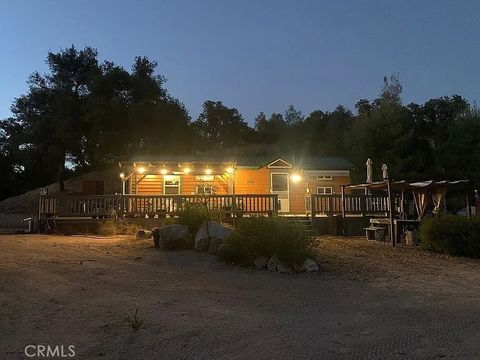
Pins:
x: 368, y: 302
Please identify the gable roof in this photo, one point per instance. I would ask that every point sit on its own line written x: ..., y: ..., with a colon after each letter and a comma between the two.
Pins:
x: 301, y: 162
x: 280, y: 163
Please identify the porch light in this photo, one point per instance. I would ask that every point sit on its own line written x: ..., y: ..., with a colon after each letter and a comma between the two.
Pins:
x: 187, y: 170
x: 296, y: 178
x: 230, y: 170
x: 208, y: 171
x: 122, y: 175
x: 141, y: 170
x: 163, y: 171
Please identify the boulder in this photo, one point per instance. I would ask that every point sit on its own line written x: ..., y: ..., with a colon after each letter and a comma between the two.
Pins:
x: 310, y: 265
x: 202, y: 238
x: 274, y: 264
x: 172, y: 237
x: 210, y: 235
x: 143, y: 234
x: 260, y: 262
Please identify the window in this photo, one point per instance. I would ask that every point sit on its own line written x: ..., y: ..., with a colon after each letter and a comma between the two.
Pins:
x: 171, y: 185
x: 324, y: 177
x: 324, y: 190
x: 204, y: 190
x: 279, y: 182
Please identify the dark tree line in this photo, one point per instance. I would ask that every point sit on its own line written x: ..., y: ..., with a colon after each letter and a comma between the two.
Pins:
x: 85, y: 115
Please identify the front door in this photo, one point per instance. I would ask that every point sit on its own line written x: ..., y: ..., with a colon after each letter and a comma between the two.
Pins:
x: 280, y: 187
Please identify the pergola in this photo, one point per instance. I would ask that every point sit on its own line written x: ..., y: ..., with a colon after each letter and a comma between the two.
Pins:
x: 208, y: 168
x: 422, y: 192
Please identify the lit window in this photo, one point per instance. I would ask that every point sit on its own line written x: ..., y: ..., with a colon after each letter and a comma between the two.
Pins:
x: 204, y: 190
x: 324, y: 190
x: 171, y: 185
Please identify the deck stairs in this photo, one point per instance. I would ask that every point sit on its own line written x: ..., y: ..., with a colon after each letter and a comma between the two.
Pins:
x: 304, y: 222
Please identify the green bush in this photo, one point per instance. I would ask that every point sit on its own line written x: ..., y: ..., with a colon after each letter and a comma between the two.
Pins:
x: 193, y: 215
x: 262, y: 236
x: 452, y: 234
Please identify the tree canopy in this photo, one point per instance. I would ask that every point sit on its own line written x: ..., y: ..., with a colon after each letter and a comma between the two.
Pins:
x: 84, y: 114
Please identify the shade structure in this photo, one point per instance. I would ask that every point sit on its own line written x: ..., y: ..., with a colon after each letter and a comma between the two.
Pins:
x: 406, y: 185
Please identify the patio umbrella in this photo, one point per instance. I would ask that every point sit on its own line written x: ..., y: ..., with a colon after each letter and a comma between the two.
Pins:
x: 369, y: 170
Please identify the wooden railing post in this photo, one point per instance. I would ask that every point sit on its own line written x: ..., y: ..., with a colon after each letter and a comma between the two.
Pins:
x: 390, y: 212
x: 363, y: 205
x: 275, y: 204
x: 330, y: 205
x: 313, y: 208
x: 122, y: 206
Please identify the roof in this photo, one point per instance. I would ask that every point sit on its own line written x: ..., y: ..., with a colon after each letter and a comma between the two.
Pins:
x: 302, y: 162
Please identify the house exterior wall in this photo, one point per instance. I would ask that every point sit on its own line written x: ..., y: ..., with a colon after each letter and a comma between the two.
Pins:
x: 247, y: 181
x: 335, y: 183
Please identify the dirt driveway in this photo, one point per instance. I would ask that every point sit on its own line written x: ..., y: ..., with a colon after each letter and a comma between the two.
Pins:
x: 368, y: 302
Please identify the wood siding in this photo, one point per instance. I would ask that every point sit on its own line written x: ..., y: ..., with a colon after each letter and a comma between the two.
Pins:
x: 247, y: 181
x: 153, y: 185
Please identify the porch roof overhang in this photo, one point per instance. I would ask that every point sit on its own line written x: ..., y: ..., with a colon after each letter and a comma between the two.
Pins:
x: 178, y: 167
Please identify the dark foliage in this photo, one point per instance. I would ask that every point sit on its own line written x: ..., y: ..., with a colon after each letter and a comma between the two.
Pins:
x: 452, y: 234
x: 263, y: 236
x: 84, y: 115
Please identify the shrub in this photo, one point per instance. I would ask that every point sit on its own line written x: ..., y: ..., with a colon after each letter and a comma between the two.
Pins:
x: 194, y: 215
x: 262, y: 236
x: 452, y: 234
x: 117, y: 227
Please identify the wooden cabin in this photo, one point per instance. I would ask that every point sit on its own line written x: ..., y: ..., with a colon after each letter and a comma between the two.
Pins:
x: 293, y: 179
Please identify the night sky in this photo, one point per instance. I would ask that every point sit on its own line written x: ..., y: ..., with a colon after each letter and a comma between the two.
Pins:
x: 258, y: 55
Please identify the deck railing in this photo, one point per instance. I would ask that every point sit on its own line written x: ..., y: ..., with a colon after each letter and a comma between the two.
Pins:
x: 151, y: 205
x: 353, y: 204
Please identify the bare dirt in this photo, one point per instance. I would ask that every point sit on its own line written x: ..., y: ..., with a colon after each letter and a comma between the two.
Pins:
x: 368, y: 302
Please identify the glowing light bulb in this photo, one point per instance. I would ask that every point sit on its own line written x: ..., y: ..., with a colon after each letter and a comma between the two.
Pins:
x: 141, y: 170
x: 296, y: 177
x: 230, y: 170
x: 208, y: 171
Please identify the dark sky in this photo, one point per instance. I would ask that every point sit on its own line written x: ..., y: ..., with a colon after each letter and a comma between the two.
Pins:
x: 258, y: 55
